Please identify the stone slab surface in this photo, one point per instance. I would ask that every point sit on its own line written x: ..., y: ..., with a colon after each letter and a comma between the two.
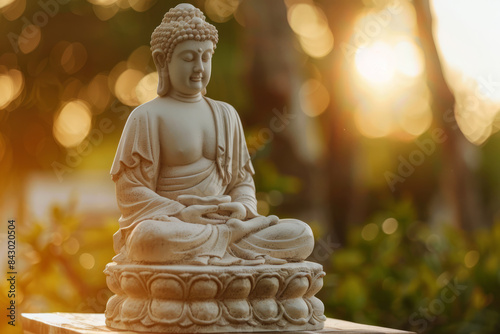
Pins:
x: 93, y: 323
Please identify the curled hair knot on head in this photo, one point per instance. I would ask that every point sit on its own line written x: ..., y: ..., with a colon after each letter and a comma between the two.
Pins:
x: 184, y: 22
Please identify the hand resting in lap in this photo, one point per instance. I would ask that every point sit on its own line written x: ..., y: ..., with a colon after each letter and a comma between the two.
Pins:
x: 220, y: 210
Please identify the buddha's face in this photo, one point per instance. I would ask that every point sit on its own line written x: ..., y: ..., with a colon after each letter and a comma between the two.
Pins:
x: 191, y: 66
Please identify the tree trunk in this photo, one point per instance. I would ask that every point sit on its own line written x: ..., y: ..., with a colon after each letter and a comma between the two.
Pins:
x: 275, y: 77
x: 459, y: 181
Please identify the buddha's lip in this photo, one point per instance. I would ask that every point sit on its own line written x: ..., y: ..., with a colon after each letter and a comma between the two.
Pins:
x: 196, y: 77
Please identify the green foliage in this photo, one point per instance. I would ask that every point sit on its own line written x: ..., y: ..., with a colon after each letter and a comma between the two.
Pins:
x: 269, y: 178
x: 420, y: 278
x: 60, y: 264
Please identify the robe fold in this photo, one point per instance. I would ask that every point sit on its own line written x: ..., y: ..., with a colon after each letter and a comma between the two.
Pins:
x: 145, y: 193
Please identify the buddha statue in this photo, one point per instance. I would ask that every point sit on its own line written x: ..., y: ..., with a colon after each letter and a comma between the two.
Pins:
x: 193, y: 253
x: 182, y: 170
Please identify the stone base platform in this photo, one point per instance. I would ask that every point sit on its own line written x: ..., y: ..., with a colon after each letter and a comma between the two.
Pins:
x: 214, y: 299
x: 92, y: 323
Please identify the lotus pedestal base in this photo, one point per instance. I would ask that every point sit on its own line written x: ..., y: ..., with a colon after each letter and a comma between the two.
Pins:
x: 211, y: 299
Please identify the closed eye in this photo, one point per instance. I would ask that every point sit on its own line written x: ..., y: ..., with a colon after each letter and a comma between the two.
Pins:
x: 187, y: 56
x: 207, y: 55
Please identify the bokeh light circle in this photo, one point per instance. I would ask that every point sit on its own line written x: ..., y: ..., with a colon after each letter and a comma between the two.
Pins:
x: 72, y: 124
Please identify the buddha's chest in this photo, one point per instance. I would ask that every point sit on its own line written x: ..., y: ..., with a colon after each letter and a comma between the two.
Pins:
x: 187, y: 136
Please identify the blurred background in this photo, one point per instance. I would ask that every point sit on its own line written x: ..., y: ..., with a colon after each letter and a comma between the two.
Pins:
x: 374, y: 121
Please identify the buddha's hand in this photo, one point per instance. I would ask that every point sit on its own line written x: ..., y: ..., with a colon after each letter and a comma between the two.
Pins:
x: 233, y: 210
x: 200, y: 214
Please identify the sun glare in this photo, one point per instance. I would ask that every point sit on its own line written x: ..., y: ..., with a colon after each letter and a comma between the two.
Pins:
x: 387, y: 76
x: 376, y: 63
x: 470, y: 54
x: 409, y: 59
x: 380, y: 62
x: 389, y: 67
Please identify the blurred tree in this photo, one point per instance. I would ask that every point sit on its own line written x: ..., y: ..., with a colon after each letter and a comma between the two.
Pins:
x: 460, y: 183
x: 347, y: 199
x: 275, y: 72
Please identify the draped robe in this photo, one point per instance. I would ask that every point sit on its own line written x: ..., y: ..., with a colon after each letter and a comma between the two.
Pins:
x: 145, y: 193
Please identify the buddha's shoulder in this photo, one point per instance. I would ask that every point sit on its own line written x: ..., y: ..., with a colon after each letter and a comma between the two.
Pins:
x: 224, y: 106
x: 150, y: 109
x: 220, y: 103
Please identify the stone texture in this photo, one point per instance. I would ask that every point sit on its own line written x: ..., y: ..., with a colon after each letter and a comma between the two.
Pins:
x: 93, y: 323
x: 207, y: 299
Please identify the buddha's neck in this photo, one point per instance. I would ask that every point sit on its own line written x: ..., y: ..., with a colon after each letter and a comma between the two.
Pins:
x: 185, y: 97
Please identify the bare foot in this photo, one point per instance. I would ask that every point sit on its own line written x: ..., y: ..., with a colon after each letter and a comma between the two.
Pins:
x: 241, y: 229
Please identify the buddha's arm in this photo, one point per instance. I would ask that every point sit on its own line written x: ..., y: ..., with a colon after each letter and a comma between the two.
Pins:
x: 138, y: 201
x: 243, y: 191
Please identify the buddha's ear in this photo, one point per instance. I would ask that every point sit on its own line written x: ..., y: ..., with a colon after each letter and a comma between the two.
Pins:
x: 160, y: 61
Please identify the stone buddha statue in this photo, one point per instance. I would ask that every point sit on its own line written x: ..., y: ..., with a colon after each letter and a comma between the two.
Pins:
x: 182, y: 170
x: 193, y: 253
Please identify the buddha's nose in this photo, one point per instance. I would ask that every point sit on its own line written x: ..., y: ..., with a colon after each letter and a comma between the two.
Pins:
x: 198, y: 66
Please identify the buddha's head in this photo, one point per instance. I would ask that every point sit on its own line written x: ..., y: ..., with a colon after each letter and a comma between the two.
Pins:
x: 182, y: 47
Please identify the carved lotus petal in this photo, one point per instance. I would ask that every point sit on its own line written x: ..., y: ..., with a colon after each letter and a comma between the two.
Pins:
x: 166, y: 309
x: 296, y: 309
x: 133, y: 286
x: 167, y: 288
x: 295, y: 288
x: 266, y: 287
x: 317, y: 306
x: 239, y: 309
x: 203, y: 289
x: 113, y: 305
x: 113, y: 284
x: 265, y: 308
x: 132, y: 308
x: 316, y: 285
x: 238, y: 288
x: 204, y: 312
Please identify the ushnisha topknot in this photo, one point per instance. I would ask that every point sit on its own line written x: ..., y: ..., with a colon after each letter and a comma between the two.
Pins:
x: 184, y: 22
